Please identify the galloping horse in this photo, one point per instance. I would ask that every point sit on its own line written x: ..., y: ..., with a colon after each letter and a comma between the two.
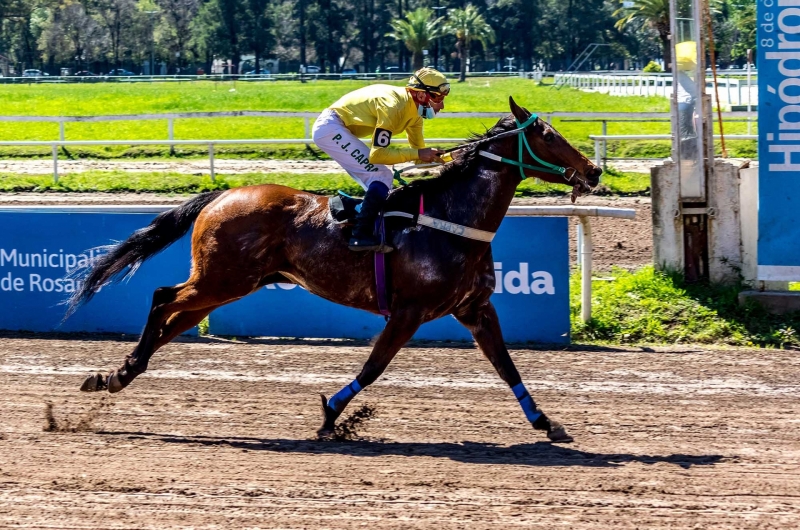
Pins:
x: 250, y: 237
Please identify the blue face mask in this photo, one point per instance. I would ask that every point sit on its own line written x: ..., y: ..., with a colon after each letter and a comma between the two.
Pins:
x: 426, y: 112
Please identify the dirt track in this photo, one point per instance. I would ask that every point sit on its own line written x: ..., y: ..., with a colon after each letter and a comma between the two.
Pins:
x: 219, y: 434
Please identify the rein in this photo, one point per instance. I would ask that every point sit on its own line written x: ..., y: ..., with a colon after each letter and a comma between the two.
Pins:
x: 544, y: 167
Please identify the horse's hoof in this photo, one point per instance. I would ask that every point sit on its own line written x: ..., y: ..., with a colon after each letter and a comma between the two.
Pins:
x: 114, y: 384
x: 329, y: 416
x: 94, y: 383
x: 558, y: 434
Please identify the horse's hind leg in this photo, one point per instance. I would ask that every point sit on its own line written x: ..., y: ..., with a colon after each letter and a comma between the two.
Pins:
x: 481, y: 320
x: 401, y: 327
x: 174, y: 310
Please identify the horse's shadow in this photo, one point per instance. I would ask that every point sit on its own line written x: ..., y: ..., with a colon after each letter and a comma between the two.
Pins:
x: 540, y: 454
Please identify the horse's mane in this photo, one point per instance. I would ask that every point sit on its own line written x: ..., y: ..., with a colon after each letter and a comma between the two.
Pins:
x: 455, y: 170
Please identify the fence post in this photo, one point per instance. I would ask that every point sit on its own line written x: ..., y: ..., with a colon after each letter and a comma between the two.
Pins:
x: 55, y: 163
x: 728, y: 86
x: 171, y: 135
x: 605, y: 144
x: 585, y: 250
x: 597, y: 152
x: 61, y: 130
x: 211, y: 162
x: 306, y: 129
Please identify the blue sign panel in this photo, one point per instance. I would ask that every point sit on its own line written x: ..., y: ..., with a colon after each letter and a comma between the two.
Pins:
x: 531, y: 257
x: 39, y: 250
x: 779, y: 140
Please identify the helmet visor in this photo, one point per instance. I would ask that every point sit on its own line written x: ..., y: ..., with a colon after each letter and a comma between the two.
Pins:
x: 437, y: 92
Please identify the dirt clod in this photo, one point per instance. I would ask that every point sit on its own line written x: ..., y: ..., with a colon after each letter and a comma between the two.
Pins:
x: 82, y: 423
x: 348, y: 429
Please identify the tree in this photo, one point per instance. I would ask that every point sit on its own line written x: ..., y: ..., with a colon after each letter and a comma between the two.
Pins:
x: 117, y: 17
x: 417, y: 31
x: 71, y: 34
x: 653, y: 14
x: 177, y: 17
x: 468, y: 25
x: 257, y: 29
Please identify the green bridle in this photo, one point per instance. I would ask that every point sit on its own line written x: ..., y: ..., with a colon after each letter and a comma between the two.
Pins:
x: 544, y: 167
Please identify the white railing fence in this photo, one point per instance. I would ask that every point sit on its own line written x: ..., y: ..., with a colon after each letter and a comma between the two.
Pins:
x: 54, y: 145
x: 733, y: 88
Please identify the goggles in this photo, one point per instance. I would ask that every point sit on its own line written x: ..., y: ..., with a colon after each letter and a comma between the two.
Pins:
x: 436, y: 92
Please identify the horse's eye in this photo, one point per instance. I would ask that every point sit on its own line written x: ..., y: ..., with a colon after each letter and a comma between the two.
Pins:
x: 548, y: 137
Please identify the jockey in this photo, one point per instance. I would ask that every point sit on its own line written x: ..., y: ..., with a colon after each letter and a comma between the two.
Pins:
x: 380, y: 112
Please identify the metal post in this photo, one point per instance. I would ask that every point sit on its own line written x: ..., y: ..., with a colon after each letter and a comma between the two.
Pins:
x: 605, y: 144
x: 586, y: 268
x: 171, y: 135
x: 749, y: 107
x: 597, y: 160
x: 61, y: 130
x: 306, y: 128
x: 55, y: 163
x: 211, y: 161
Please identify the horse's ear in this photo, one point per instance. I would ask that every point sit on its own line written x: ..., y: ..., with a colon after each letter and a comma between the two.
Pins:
x: 520, y: 113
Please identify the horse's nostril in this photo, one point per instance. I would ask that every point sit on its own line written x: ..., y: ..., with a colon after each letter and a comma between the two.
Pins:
x: 595, y: 173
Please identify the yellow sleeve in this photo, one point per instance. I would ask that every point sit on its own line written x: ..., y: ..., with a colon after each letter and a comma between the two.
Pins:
x: 389, y: 122
x: 415, y: 138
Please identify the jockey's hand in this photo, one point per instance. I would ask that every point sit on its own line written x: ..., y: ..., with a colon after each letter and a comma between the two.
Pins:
x: 431, y: 154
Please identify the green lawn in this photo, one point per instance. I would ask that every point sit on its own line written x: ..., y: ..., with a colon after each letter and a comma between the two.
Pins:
x: 477, y: 94
x: 647, y: 306
x: 166, y: 182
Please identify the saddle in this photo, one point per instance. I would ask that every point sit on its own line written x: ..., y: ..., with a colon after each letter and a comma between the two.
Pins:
x: 398, y: 215
x: 344, y: 209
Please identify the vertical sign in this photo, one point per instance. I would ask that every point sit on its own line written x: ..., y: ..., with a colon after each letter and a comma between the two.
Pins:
x: 779, y: 140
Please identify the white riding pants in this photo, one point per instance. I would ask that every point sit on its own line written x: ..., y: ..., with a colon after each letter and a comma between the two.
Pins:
x: 330, y: 135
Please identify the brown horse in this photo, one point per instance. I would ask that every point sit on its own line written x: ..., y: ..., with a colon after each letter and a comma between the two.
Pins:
x: 249, y: 237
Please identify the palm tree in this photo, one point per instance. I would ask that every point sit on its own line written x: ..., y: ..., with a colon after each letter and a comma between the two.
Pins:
x: 417, y: 30
x: 468, y: 25
x: 651, y: 14
x: 654, y: 14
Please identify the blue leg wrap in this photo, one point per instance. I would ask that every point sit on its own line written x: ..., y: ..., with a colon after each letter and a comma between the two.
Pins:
x: 340, y: 400
x: 526, y: 402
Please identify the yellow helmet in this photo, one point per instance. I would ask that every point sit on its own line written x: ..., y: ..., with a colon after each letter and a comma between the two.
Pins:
x: 686, y: 55
x: 429, y: 80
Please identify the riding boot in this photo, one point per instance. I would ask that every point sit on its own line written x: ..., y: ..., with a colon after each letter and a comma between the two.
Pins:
x: 364, y: 235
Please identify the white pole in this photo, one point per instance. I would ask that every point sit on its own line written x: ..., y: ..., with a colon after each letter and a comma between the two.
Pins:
x: 749, y: 123
x: 211, y: 161
x: 61, y: 130
x: 55, y: 163
x: 597, y: 152
x: 586, y: 269
x: 171, y: 134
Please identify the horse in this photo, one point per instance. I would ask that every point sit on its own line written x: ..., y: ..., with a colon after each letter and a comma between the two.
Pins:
x: 250, y: 237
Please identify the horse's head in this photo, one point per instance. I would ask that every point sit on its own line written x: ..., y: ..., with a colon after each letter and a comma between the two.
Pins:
x: 563, y: 164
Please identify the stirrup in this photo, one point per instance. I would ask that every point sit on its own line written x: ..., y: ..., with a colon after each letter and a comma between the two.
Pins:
x: 365, y: 245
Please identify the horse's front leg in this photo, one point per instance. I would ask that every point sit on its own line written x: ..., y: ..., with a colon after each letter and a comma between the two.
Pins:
x: 401, y: 327
x: 481, y: 320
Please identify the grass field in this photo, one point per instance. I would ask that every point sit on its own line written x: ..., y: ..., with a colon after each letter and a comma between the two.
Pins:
x: 326, y: 184
x: 476, y: 95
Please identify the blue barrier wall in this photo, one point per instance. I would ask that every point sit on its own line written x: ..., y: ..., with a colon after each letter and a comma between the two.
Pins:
x: 37, y: 250
x: 778, y: 141
x: 531, y: 257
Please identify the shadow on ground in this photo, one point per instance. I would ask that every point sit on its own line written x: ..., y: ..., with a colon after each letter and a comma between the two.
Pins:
x: 541, y: 454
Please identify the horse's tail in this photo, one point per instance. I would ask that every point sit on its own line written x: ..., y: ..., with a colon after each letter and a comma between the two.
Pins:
x: 142, y: 245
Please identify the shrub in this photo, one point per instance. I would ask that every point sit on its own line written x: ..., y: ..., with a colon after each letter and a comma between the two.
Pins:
x: 653, y: 67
